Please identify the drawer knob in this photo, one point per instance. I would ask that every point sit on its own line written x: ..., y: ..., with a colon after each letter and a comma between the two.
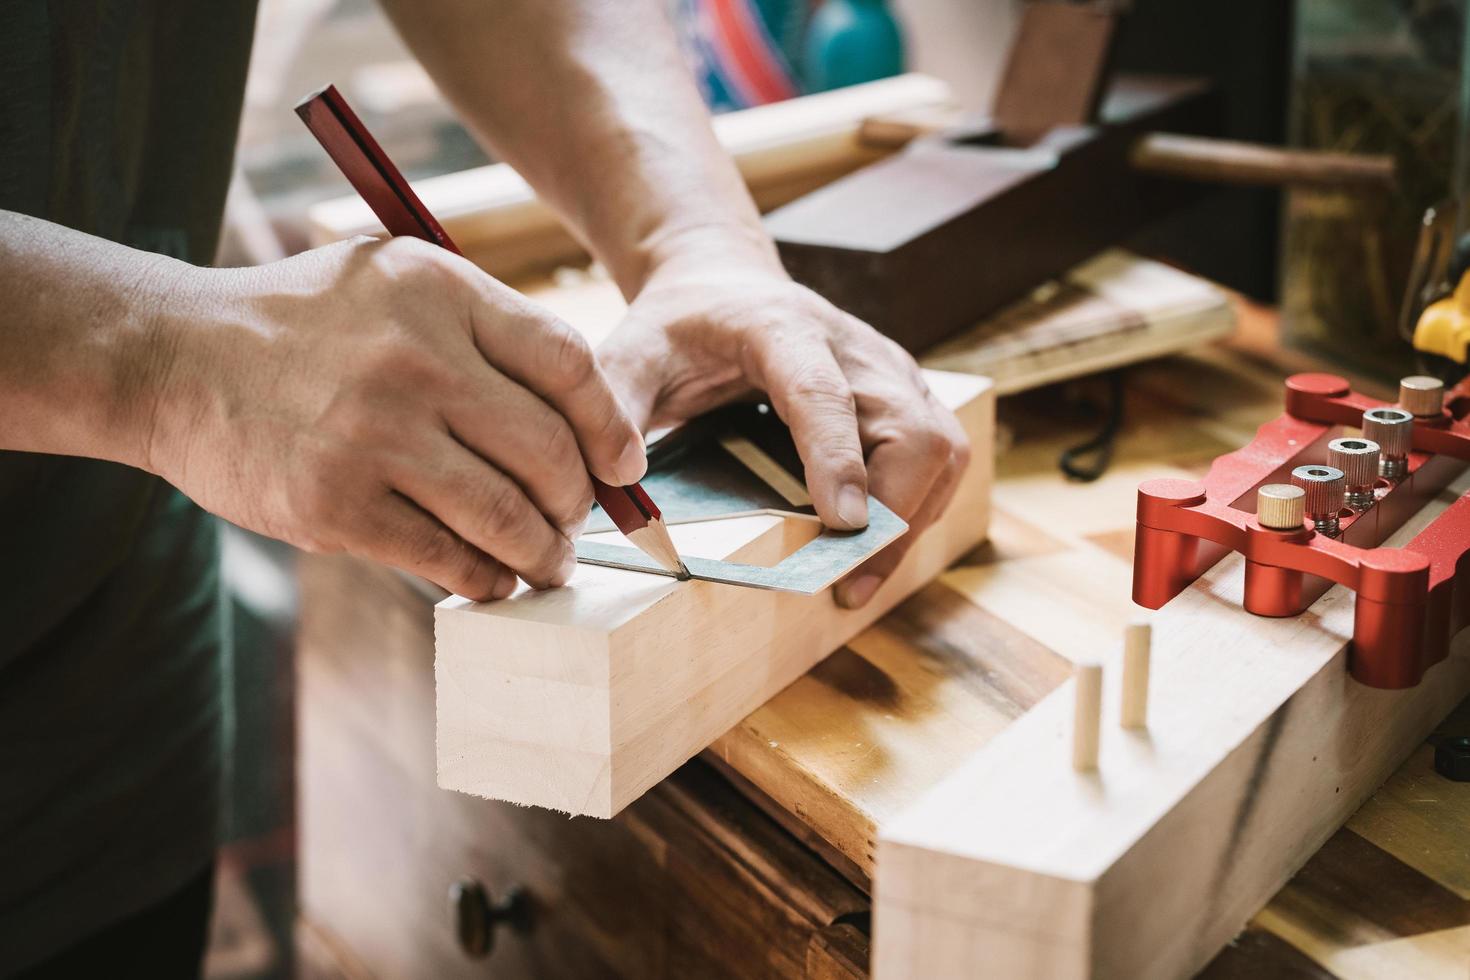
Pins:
x: 476, y: 915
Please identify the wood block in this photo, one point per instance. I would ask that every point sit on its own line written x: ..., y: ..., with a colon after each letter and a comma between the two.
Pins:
x: 580, y: 699
x: 681, y: 884
x: 931, y: 240
x: 1259, y: 746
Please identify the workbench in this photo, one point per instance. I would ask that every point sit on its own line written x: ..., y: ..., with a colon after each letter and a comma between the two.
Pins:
x: 755, y: 860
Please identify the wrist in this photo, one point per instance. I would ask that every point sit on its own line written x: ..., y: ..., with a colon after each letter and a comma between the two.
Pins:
x: 697, y: 250
x: 163, y: 372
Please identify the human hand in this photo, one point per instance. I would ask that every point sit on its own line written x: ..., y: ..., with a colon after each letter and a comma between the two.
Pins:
x: 719, y: 323
x: 388, y: 399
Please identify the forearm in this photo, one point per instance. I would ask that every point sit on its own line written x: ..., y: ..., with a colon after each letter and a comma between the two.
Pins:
x: 592, y: 104
x: 82, y: 363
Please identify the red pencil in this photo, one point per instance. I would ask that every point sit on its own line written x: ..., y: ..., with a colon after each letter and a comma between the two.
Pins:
x: 365, y: 165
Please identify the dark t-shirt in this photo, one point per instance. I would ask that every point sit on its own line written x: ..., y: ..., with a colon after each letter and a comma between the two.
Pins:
x: 117, y: 118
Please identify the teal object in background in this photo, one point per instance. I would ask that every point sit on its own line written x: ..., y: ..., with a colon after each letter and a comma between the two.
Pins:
x: 851, y: 41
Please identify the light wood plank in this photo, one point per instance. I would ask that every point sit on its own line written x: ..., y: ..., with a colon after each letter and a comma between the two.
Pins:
x: 1259, y: 747
x: 1443, y: 955
x: 855, y: 741
x: 581, y: 698
x: 1112, y: 310
x: 1090, y: 584
x: 1407, y: 819
x: 783, y: 150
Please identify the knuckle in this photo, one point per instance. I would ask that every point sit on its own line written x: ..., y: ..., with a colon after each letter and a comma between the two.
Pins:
x: 502, y: 512
x: 613, y: 426
x: 314, y: 499
x: 404, y: 256
x: 400, y: 364
x: 960, y: 452
x: 360, y: 426
x: 815, y: 386
x: 431, y: 549
x: 572, y: 361
x: 437, y: 555
x: 934, y: 442
x: 544, y: 565
x: 582, y: 507
x: 561, y: 449
x: 925, y: 436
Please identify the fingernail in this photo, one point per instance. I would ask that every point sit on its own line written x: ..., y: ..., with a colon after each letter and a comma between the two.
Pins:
x: 852, y: 595
x: 633, y: 461
x: 852, y: 506
x: 505, y: 583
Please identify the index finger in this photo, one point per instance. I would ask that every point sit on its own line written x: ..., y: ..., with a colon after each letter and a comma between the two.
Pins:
x: 812, y: 396
x: 538, y: 350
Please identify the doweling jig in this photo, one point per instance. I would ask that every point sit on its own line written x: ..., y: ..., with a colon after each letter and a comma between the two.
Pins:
x: 1309, y: 504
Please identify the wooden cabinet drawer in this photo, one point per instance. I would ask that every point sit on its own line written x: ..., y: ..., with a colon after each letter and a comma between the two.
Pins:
x: 692, y: 880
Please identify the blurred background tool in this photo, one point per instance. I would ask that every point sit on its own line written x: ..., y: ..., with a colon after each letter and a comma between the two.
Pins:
x: 1072, y: 158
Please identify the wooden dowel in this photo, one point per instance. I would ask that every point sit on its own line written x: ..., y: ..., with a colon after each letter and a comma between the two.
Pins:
x: 1086, y: 717
x: 894, y: 130
x: 1137, y: 640
x: 1231, y: 162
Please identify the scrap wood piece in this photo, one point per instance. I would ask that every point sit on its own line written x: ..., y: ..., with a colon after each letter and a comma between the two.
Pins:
x: 1259, y: 746
x: 581, y: 698
x: 1114, y: 309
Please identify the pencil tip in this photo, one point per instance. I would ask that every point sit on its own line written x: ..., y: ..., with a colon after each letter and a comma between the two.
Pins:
x: 654, y: 541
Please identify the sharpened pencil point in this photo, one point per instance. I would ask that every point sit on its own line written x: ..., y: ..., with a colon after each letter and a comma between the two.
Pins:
x: 654, y: 541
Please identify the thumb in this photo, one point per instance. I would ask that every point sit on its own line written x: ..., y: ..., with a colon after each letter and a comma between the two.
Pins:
x: 630, y: 359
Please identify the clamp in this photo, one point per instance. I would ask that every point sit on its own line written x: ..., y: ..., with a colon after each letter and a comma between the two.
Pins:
x: 1409, y: 600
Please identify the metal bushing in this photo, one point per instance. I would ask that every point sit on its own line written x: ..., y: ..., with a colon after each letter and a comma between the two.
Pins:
x: 1326, y: 490
x: 1393, y: 430
x: 1358, y: 460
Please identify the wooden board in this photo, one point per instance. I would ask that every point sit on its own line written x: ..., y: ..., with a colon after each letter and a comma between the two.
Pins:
x: 1113, y: 309
x: 783, y: 150
x: 1259, y: 747
x: 580, y: 699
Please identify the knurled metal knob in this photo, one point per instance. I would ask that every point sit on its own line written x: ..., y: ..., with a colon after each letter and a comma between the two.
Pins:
x: 1358, y: 460
x: 1421, y: 395
x: 1393, y: 430
x: 1281, y: 506
x: 1325, y: 488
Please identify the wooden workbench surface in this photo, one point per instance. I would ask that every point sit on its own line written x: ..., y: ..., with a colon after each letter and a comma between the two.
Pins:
x: 884, y: 718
